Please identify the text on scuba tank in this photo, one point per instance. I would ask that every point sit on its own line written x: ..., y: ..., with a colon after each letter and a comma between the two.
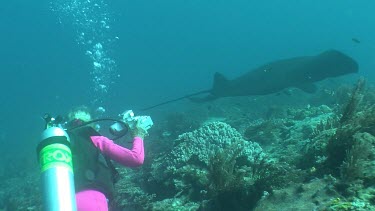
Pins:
x: 55, y: 155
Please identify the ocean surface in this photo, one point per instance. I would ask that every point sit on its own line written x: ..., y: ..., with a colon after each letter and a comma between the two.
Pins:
x: 59, y: 54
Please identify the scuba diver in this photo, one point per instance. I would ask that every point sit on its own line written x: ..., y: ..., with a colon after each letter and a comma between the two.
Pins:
x: 94, y: 173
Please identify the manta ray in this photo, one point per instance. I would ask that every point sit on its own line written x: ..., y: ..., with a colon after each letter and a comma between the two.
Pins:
x: 298, y: 72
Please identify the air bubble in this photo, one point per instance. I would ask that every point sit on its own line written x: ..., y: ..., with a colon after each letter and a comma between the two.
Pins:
x: 91, y: 20
x: 97, y: 65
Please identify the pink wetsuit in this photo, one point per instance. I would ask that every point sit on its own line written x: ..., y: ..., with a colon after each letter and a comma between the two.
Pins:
x: 93, y: 200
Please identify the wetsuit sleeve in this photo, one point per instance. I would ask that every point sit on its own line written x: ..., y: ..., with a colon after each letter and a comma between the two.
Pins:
x: 122, y: 155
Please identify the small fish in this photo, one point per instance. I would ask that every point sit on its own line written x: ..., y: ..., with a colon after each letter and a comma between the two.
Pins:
x: 356, y: 40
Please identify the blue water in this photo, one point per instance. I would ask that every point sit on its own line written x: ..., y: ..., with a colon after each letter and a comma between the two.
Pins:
x: 161, y: 49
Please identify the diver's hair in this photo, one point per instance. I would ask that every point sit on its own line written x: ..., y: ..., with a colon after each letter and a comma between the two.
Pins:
x: 72, y: 112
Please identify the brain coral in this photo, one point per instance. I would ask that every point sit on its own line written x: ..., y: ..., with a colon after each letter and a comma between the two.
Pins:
x: 206, y: 162
x: 198, y: 146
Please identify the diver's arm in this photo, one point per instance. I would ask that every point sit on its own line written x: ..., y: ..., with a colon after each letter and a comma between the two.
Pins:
x: 122, y: 155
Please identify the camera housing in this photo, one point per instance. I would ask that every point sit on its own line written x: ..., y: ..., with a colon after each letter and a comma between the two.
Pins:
x: 144, y: 122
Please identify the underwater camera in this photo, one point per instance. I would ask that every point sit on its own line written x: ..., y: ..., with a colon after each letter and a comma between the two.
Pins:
x: 128, y: 117
x: 144, y: 122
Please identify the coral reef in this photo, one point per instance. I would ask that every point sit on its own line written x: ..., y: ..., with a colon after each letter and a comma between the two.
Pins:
x: 129, y: 193
x: 238, y: 155
x: 295, y: 139
x: 317, y: 194
x: 353, y: 121
x: 21, y: 193
x: 210, y: 163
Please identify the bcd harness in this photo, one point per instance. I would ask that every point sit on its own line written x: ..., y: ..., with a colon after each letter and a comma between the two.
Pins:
x: 92, y: 169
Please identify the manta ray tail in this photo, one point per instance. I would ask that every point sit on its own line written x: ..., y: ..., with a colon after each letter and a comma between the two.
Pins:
x: 220, y: 84
x: 177, y: 99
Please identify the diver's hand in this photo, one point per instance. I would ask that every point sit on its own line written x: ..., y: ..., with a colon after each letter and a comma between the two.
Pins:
x: 139, y: 131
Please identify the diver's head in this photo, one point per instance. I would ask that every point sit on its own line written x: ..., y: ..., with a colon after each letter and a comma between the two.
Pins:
x: 78, y: 116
